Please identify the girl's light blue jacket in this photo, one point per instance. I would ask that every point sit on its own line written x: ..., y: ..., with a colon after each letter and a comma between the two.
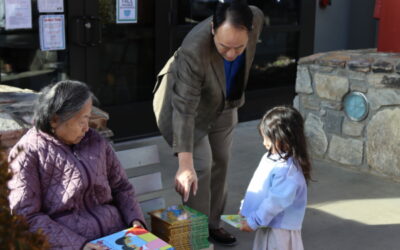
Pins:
x: 276, y: 196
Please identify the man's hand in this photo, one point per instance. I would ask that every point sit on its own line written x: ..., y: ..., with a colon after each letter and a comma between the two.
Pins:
x: 186, y: 177
x: 245, y: 227
x: 92, y: 246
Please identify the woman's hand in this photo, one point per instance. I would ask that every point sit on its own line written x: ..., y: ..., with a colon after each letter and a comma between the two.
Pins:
x: 92, y: 246
x: 137, y: 223
x: 245, y: 227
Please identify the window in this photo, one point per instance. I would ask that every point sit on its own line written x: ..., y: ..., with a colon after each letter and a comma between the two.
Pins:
x: 22, y: 63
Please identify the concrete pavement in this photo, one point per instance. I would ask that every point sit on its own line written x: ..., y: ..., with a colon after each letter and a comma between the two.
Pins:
x: 347, y: 209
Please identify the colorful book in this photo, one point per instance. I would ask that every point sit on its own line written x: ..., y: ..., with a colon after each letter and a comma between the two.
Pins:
x: 234, y: 220
x: 135, y: 238
x: 179, y: 215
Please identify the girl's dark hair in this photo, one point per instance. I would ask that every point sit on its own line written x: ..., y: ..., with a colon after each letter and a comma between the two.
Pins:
x: 237, y: 12
x: 62, y: 99
x: 284, y: 126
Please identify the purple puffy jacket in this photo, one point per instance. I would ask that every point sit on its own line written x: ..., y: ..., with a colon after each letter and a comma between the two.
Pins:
x: 73, y: 193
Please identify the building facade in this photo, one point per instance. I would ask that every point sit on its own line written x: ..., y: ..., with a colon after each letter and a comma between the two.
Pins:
x: 120, y: 60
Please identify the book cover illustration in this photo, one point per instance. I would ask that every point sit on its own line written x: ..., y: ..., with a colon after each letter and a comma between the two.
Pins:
x: 178, y: 215
x: 233, y: 219
x: 134, y: 238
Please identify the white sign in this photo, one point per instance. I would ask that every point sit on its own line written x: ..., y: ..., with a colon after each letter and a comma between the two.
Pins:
x: 126, y: 11
x: 52, y: 32
x: 2, y: 15
x: 18, y: 14
x: 50, y: 6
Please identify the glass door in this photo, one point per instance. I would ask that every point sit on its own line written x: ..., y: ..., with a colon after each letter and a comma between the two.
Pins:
x: 118, y: 62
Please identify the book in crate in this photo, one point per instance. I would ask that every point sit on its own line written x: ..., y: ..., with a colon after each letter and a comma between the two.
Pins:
x: 181, y: 226
x: 133, y: 238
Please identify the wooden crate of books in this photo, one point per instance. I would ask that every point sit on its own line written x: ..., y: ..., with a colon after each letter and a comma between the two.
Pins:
x: 181, y: 226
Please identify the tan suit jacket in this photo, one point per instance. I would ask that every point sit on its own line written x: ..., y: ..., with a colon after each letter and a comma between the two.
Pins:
x: 190, y: 91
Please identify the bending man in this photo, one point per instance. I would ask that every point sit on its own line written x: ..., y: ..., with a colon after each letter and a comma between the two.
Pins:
x: 196, y: 99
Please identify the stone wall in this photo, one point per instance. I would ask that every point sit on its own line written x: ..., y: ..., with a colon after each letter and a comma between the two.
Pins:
x: 16, y: 111
x: 324, y: 80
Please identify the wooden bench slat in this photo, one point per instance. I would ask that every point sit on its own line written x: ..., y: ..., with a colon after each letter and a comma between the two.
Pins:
x: 147, y: 183
x: 137, y: 157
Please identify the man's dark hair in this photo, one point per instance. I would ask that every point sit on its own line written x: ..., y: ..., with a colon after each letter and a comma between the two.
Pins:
x: 63, y: 99
x: 236, y: 12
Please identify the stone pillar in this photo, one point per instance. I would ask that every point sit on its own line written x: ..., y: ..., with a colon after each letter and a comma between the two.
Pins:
x: 324, y: 81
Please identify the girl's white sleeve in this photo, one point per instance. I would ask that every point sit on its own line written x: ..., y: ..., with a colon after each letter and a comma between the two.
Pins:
x: 281, y: 195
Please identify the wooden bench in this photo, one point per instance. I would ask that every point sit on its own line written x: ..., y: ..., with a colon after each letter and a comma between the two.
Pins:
x: 143, y: 170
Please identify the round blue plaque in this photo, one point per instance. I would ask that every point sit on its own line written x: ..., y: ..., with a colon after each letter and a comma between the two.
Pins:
x: 356, y: 106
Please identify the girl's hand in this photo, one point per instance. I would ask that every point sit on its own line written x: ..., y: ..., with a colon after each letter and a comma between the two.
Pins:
x: 245, y: 227
x: 92, y: 246
x: 137, y: 223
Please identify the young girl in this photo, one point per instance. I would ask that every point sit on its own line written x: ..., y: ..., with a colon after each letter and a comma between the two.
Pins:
x: 276, y: 199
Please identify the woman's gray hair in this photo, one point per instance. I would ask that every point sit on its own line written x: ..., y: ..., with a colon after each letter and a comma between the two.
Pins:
x: 63, y: 99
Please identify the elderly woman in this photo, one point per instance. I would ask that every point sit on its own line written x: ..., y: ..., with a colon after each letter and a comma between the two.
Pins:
x: 67, y: 180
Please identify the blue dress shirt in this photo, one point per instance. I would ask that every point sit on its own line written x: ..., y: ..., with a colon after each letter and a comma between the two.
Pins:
x: 231, y: 69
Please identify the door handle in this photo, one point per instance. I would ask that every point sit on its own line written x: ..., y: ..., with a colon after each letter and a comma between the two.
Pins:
x: 96, y: 32
x: 80, y: 31
x: 88, y: 31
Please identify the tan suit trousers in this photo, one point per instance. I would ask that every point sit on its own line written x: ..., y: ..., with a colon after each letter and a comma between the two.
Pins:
x: 211, y: 159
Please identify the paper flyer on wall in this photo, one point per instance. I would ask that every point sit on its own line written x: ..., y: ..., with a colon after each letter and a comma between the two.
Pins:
x: 52, y: 32
x: 18, y: 14
x: 50, y: 6
x: 126, y: 11
x: 2, y: 16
